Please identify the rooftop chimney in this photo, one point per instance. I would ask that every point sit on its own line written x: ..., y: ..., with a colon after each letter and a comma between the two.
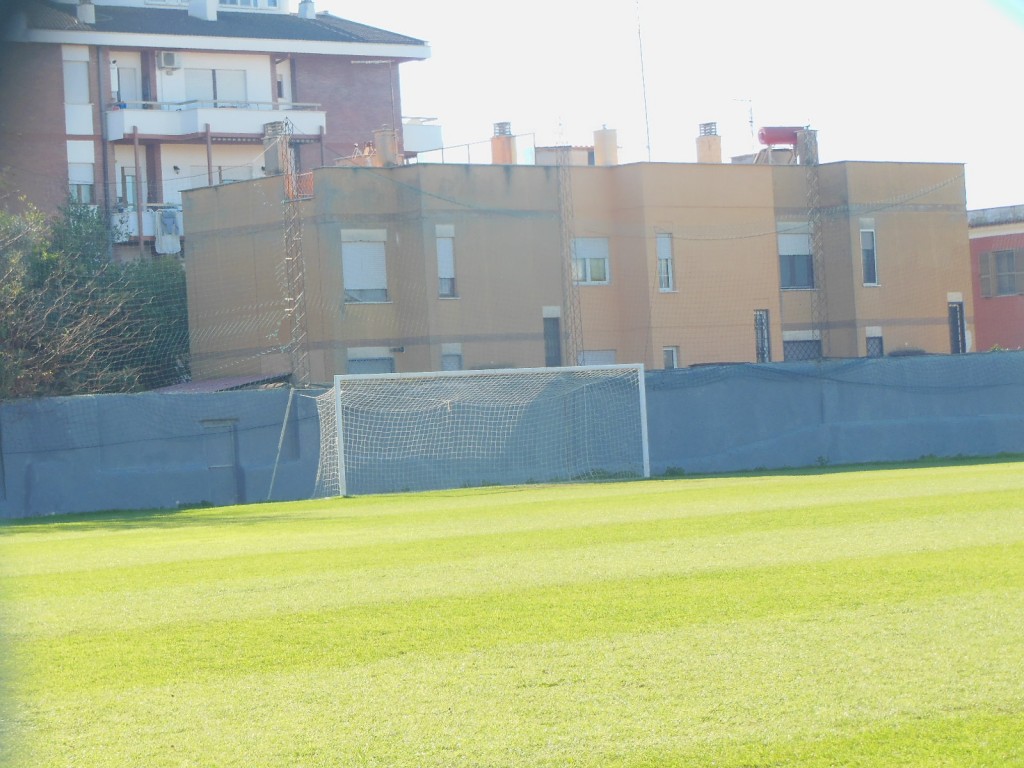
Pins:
x: 203, y: 9
x: 86, y: 12
x: 503, y: 145
x: 386, y: 142
x: 606, y: 146
x: 307, y: 10
x: 274, y: 147
x: 709, y: 144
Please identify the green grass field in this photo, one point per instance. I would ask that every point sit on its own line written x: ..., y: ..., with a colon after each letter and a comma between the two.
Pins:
x: 855, y: 618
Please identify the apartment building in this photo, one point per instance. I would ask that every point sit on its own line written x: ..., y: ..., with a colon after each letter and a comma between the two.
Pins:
x: 438, y: 266
x: 997, y: 268
x: 126, y: 103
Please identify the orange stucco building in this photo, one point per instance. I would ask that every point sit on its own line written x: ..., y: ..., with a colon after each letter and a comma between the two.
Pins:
x: 427, y: 267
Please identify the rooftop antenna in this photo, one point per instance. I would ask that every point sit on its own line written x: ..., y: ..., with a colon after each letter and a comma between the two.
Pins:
x: 750, y: 120
x: 643, y: 79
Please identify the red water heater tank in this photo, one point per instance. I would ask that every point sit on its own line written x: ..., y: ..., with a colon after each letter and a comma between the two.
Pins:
x: 778, y: 134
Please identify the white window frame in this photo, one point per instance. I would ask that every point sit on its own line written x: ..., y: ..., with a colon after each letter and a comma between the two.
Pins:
x: 794, y: 241
x: 666, y: 262
x: 864, y: 256
x: 444, y: 238
x: 82, y: 182
x: 591, y: 256
x: 670, y: 358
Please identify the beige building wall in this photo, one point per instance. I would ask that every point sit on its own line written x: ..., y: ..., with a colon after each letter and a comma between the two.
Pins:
x: 502, y: 225
x: 721, y: 223
x: 917, y: 212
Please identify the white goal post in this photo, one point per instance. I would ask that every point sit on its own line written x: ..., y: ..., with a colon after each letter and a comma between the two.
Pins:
x: 386, y: 433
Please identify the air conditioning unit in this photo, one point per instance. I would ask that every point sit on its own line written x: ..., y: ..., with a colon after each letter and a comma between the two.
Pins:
x: 169, y: 60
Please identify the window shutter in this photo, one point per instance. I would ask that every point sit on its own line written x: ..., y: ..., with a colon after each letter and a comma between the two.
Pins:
x: 363, y: 266
x: 985, y: 273
x: 794, y: 245
x: 446, y: 258
x: 231, y: 85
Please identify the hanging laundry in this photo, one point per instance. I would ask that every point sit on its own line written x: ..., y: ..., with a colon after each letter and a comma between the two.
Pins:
x: 168, y: 234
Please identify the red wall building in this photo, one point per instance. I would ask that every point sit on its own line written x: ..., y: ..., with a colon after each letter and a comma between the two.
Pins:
x: 997, y: 269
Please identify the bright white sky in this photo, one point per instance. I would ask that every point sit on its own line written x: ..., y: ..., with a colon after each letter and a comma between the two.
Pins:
x: 896, y: 80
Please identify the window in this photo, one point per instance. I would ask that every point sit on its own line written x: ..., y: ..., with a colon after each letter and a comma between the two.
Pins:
x: 762, y: 336
x: 552, y: 341
x: 875, y: 346
x: 796, y: 266
x: 957, y: 328
x: 451, y: 356
x: 127, y: 85
x: 1006, y: 272
x: 999, y: 273
x: 666, y: 272
x: 370, y: 360
x: 445, y: 239
x: 590, y: 260
x: 804, y: 349
x: 867, y: 253
x: 128, y: 188
x: 801, y: 345
x: 216, y: 87
x: 670, y: 357
x: 598, y: 357
x: 82, y: 182
x: 76, y: 82
x: 364, y: 269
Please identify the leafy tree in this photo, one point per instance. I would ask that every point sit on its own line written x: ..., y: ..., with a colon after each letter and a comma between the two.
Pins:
x: 73, y: 322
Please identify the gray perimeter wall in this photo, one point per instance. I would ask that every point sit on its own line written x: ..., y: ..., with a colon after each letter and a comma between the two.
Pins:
x: 154, y: 450
x: 99, y: 452
x: 724, y: 418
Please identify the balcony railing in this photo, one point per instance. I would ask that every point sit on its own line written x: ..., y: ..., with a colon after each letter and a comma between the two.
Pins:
x: 190, y: 118
x: 125, y: 221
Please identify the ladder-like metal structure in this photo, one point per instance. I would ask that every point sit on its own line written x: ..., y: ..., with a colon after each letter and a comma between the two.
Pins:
x: 807, y: 151
x: 297, y: 187
x: 572, y: 321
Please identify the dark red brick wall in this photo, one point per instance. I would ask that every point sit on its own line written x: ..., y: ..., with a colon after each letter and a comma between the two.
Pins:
x: 357, y: 98
x: 33, y: 152
x: 998, y: 320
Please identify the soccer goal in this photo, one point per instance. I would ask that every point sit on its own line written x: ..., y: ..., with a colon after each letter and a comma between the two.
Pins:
x: 385, y: 433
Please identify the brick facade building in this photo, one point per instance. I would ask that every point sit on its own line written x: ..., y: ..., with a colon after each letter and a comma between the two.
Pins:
x: 126, y: 103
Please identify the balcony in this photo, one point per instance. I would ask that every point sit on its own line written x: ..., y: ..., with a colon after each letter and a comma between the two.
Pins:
x: 188, y: 119
x: 125, y: 222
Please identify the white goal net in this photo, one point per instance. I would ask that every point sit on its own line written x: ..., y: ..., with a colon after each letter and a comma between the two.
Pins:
x: 421, y: 431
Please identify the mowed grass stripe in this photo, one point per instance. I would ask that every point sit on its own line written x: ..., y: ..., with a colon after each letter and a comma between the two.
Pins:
x: 326, y: 580
x: 676, y: 521
x: 90, y: 542
x: 352, y: 636
x: 804, y: 688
